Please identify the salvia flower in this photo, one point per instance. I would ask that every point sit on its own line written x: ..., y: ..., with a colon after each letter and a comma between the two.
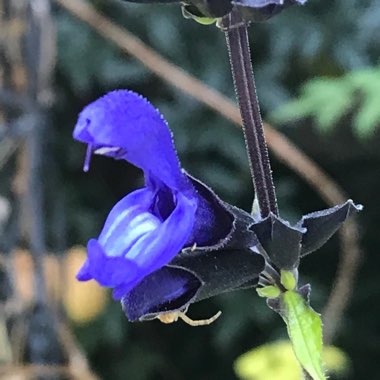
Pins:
x: 172, y: 242
x: 252, y: 10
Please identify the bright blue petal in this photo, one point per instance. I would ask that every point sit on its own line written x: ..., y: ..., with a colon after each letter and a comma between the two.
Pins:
x: 158, y: 247
x: 264, y: 3
x: 135, y: 243
x: 123, y: 124
x: 127, y: 222
x: 107, y: 271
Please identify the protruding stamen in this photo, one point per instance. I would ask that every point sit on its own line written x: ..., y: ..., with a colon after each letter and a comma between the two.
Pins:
x: 87, y: 159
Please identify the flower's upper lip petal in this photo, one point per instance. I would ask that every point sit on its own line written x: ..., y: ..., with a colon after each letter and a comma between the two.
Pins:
x: 321, y: 225
x: 126, y: 120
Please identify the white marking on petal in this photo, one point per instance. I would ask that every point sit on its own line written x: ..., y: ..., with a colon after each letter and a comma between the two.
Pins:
x: 127, y: 230
x: 119, y: 219
x: 140, y: 226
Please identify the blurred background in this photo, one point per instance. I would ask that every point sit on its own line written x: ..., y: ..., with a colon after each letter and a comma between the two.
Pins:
x: 318, y: 78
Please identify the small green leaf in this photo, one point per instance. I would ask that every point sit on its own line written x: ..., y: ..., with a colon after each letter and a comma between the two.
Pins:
x: 270, y: 291
x: 288, y: 280
x: 305, y: 332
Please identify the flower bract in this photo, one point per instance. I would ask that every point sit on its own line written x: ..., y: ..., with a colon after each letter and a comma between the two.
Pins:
x: 284, y: 245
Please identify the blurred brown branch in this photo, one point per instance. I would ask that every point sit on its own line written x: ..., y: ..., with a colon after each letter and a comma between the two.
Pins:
x: 280, y: 145
x: 78, y: 364
x: 26, y: 372
x: 29, y: 372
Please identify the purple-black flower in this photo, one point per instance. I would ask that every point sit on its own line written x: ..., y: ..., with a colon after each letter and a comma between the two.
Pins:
x: 174, y: 219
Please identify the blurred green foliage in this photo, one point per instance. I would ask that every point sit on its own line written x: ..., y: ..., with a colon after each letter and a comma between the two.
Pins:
x: 333, y: 39
x: 328, y: 100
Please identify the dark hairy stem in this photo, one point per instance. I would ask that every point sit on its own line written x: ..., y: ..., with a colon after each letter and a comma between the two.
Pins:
x: 244, y: 82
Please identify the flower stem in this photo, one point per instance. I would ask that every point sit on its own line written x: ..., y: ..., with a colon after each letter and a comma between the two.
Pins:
x: 240, y: 59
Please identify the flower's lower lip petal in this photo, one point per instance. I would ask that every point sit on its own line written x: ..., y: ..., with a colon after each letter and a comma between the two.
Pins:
x: 161, y: 245
x: 83, y: 274
x: 109, y: 271
x: 153, y: 251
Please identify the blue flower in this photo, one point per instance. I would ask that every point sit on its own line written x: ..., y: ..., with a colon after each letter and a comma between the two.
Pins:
x: 252, y: 10
x: 261, y: 10
x: 149, y: 227
x: 174, y: 242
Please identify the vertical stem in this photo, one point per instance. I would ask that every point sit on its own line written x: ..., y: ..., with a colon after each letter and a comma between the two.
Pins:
x: 36, y: 11
x: 242, y: 72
